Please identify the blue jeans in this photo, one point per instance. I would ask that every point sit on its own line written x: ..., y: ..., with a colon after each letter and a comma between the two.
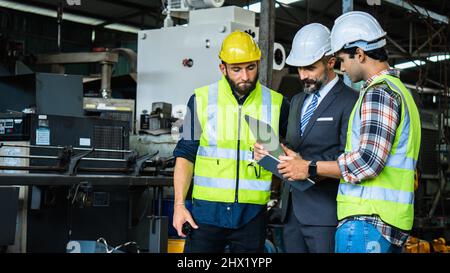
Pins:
x: 362, y: 237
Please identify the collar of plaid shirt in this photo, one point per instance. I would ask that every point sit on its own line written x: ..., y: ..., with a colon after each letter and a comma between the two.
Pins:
x: 391, y: 72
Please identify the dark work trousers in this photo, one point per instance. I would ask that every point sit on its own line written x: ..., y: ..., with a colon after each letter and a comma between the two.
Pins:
x: 300, y: 238
x: 249, y: 238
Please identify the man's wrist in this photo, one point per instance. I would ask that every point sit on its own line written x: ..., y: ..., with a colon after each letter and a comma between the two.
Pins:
x: 179, y: 204
x: 312, y: 168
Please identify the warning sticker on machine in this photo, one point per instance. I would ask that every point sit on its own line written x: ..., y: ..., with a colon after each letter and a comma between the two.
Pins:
x: 42, y: 136
x: 85, y: 141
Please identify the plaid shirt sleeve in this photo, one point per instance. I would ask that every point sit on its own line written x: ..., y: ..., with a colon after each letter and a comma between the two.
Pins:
x: 380, y: 116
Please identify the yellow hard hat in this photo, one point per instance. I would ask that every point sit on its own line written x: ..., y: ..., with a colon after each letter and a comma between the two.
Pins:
x: 239, y: 47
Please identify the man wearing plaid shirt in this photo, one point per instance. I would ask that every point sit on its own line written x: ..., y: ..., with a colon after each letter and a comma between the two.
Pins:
x: 376, y: 192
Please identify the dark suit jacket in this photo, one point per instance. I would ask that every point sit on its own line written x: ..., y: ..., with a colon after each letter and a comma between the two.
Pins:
x: 324, y: 140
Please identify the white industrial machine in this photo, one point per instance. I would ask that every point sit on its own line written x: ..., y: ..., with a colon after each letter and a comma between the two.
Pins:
x: 173, y: 61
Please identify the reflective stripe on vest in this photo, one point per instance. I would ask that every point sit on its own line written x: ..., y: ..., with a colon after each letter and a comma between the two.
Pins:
x: 225, y: 183
x: 389, y: 195
x: 224, y: 153
x: 376, y: 193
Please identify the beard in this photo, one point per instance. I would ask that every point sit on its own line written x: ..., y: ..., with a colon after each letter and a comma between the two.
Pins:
x: 242, y: 88
x: 311, y: 86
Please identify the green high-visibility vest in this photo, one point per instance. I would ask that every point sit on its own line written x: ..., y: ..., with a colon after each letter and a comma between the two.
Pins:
x: 223, y: 169
x: 390, y: 195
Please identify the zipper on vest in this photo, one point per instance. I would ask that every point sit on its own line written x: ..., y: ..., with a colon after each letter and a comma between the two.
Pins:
x: 238, y: 149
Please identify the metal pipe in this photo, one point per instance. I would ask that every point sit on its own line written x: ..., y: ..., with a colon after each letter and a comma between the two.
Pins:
x: 60, y: 169
x: 94, y: 170
x: 160, y: 198
x: 437, y: 197
x: 55, y: 157
x: 307, y: 11
x: 347, y: 5
x: 130, y: 55
x: 428, y: 41
x: 61, y: 180
x: 418, y: 55
x: 396, y: 44
x: 29, y: 156
x: 60, y: 147
x: 80, y: 169
x: 59, y: 22
x: 410, y: 36
x: 103, y: 150
x: 266, y: 40
x: 425, y: 90
x: 106, y: 80
x: 30, y: 168
x: 104, y: 159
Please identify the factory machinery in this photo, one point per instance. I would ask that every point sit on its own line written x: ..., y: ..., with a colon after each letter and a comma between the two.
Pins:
x: 67, y: 171
x: 66, y: 194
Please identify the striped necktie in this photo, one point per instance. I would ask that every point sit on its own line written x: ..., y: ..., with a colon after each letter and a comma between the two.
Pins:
x: 309, y: 112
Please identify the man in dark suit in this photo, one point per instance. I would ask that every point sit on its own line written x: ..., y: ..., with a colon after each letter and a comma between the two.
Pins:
x: 317, y: 129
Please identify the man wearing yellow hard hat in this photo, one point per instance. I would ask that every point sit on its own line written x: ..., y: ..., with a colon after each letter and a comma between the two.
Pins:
x: 230, y: 191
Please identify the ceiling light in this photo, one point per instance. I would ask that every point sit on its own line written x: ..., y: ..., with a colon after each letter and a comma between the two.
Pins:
x: 66, y: 16
x: 288, y: 1
x: 409, y: 64
x: 438, y: 58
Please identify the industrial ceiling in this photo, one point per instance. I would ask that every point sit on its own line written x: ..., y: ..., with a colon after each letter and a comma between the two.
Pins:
x: 417, y: 30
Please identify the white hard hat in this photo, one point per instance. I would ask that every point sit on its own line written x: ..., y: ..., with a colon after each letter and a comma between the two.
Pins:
x: 356, y: 29
x: 310, y: 44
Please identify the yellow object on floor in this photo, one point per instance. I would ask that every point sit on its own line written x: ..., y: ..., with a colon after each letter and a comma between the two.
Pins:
x: 416, y: 245
x: 175, y: 245
x: 439, y: 246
